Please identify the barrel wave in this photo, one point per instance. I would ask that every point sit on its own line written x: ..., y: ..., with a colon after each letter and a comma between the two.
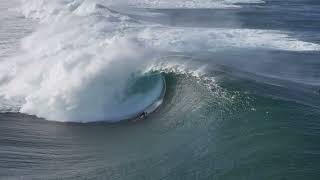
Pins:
x: 78, y: 62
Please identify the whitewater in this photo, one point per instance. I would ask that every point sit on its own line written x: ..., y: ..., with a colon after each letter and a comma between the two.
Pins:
x: 78, y: 62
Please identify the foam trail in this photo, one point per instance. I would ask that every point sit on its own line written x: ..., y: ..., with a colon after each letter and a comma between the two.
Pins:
x: 214, y: 39
x: 168, y: 4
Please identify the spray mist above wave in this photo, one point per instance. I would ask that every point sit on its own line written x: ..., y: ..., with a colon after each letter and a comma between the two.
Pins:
x: 78, y: 63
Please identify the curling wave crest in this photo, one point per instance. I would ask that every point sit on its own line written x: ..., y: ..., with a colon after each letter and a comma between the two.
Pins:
x: 79, y: 62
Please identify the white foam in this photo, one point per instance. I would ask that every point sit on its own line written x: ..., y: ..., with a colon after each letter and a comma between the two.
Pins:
x: 76, y: 66
x: 214, y: 39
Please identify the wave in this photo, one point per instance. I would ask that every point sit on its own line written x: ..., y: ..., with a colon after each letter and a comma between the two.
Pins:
x: 80, y: 62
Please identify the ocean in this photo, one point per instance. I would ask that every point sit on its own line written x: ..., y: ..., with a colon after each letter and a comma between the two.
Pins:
x: 160, y: 89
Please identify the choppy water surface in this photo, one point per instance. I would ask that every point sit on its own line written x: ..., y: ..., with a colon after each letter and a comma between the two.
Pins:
x: 238, y: 80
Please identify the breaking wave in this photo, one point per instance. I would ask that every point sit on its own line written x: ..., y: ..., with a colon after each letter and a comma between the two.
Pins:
x: 86, y: 61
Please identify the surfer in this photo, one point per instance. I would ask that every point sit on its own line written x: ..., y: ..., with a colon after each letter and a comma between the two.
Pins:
x: 143, y: 115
